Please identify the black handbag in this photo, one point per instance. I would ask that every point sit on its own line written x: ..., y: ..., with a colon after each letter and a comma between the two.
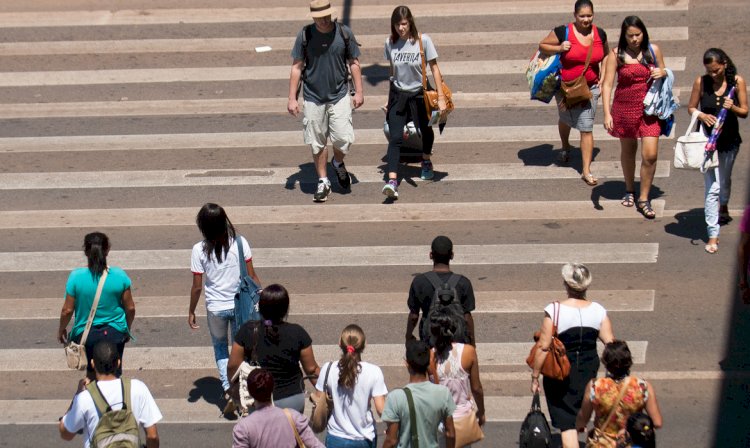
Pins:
x: 535, y: 432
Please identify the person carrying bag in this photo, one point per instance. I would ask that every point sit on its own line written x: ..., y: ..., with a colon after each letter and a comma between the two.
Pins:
x: 597, y: 437
x: 75, y: 354
x: 577, y: 91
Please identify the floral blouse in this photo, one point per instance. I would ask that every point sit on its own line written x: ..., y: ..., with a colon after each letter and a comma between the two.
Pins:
x: 604, y: 393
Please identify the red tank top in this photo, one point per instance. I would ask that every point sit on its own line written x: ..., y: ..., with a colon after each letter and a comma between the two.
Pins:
x: 574, y: 59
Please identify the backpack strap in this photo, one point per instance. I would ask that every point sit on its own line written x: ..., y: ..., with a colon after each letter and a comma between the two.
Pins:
x: 241, y: 252
x: 96, y: 394
x: 434, y: 279
x: 101, y: 403
x: 412, y: 418
x: 453, y: 280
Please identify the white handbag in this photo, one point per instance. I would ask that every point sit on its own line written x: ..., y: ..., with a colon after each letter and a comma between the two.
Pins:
x: 690, y: 149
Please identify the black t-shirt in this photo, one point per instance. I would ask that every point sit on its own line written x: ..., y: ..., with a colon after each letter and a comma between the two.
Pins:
x: 282, y: 358
x: 422, y: 292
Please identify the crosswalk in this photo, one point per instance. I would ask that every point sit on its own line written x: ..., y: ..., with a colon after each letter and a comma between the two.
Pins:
x: 128, y: 120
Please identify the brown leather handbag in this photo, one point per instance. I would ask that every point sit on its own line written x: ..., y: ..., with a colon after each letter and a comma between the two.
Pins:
x: 430, y: 94
x: 556, y: 364
x: 577, y: 91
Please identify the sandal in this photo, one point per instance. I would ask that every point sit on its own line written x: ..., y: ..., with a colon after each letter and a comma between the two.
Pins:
x: 590, y: 179
x: 644, y: 207
x: 629, y: 199
x: 712, y: 248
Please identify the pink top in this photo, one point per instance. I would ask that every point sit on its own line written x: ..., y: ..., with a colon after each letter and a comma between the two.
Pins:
x: 745, y: 223
x: 452, y: 375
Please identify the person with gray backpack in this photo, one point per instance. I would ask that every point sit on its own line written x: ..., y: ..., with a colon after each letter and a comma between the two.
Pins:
x: 441, y: 289
x: 110, y: 411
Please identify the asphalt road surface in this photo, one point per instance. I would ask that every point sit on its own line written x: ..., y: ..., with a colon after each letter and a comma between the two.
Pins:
x: 127, y: 116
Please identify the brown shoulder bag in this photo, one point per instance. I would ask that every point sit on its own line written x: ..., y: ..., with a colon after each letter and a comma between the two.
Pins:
x: 577, y: 91
x: 556, y: 364
x: 430, y: 94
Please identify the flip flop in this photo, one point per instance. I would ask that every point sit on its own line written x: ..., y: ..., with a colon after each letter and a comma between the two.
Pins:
x: 712, y: 248
x: 590, y: 179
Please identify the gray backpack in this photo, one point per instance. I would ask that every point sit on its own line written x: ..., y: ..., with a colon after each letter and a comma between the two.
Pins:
x: 446, y: 299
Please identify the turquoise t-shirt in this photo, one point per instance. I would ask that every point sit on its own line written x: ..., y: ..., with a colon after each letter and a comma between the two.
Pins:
x: 432, y: 404
x: 82, y: 285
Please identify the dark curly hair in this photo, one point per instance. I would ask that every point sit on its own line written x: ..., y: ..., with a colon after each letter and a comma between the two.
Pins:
x: 617, y: 358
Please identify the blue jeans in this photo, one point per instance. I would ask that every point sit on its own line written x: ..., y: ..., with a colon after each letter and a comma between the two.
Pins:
x: 219, y: 325
x: 340, y: 442
x: 718, y: 183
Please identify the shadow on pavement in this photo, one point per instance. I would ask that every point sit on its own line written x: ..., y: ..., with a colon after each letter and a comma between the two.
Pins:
x: 690, y: 225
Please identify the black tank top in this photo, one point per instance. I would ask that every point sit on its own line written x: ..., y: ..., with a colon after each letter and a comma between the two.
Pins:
x: 710, y: 103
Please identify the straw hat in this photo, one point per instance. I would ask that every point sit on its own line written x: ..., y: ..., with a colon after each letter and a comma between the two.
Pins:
x: 321, y: 8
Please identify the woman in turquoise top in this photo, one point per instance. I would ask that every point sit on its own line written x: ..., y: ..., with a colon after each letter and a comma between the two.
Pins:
x: 116, y: 309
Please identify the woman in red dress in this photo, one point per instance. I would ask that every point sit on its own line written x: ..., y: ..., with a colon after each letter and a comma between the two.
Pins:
x: 637, y: 63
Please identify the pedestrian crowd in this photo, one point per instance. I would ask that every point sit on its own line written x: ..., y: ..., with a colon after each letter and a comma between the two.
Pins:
x: 443, y: 401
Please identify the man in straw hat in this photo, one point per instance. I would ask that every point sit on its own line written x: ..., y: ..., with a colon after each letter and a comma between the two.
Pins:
x: 321, y: 54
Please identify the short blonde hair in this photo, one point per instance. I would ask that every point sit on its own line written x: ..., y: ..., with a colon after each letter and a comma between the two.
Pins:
x: 577, y: 276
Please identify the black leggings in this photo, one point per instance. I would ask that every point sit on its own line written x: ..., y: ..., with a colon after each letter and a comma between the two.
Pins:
x: 397, y: 121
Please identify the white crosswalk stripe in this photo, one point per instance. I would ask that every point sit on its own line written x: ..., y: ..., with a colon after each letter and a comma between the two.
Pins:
x: 502, y: 361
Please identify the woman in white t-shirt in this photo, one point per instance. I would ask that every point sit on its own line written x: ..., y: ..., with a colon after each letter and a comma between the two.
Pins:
x: 352, y: 384
x: 217, y: 257
x: 405, y: 99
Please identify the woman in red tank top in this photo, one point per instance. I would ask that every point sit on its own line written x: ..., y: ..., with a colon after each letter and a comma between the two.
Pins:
x: 572, y: 41
x: 636, y: 67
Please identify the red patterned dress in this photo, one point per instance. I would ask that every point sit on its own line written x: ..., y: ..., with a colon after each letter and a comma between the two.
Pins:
x: 628, y: 119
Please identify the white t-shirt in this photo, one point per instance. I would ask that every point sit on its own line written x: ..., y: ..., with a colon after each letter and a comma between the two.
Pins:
x: 407, y: 63
x: 83, y: 413
x: 352, y: 417
x: 222, y: 279
x: 590, y: 316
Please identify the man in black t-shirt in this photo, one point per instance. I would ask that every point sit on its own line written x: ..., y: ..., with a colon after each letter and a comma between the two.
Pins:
x: 421, y: 292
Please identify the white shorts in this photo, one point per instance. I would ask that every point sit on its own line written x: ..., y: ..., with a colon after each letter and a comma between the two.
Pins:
x: 329, y: 120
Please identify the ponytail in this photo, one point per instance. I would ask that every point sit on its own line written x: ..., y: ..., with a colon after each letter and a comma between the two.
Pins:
x: 352, y: 344
x: 718, y: 55
x: 96, y: 247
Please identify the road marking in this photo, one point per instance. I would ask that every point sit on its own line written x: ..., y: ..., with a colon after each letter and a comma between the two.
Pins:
x: 182, y: 411
x: 361, y: 12
x: 250, y: 73
x: 237, y: 106
x: 343, y: 304
x: 213, y: 140
x: 349, y: 256
x: 370, y: 41
x: 290, y: 176
x: 331, y: 213
x: 189, y: 358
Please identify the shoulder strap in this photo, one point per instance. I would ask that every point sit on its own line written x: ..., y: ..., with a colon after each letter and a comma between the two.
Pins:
x: 653, y: 55
x: 588, y: 56
x: 256, y: 335
x: 434, y: 279
x: 94, y: 305
x: 125, y: 382
x: 623, y: 389
x: 412, y: 418
x: 424, y: 66
x: 556, y: 318
x: 241, y: 251
x: 96, y: 394
x: 453, y: 280
x: 288, y: 414
x: 325, y: 379
x: 346, y: 37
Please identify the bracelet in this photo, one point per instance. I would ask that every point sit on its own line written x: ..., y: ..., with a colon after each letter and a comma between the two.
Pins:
x: 534, y: 377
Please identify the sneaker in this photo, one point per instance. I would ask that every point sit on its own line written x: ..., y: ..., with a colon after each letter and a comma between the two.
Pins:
x: 321, y: 195
x: 391, y: 189
x: 427, y: 172
x: 342, y: 175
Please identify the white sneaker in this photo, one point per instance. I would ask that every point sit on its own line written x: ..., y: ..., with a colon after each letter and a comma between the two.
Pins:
x: 321, y: 195
x: 391, y: 189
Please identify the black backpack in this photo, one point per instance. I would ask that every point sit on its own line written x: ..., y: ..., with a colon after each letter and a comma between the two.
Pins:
x: 446, y: 299
x: 535, y: 432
